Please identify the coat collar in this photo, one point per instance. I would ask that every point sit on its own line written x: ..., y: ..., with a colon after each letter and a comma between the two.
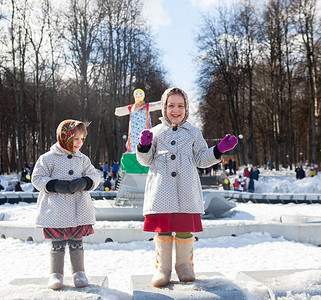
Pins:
x: 57, y: 149
x: 185, y: 125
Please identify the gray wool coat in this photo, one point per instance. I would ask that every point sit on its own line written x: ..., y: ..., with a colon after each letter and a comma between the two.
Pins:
x: 57, y: 210
x: 173, y: 184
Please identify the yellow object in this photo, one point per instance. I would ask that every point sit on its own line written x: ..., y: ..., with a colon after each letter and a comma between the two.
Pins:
x: 139, y: 95
x: 226, y: 181
x: 28, y: 177
x: 106, y: 189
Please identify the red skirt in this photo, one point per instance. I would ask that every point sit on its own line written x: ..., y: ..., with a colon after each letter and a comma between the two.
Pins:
x: 176, y: 222
x: 68, y: 233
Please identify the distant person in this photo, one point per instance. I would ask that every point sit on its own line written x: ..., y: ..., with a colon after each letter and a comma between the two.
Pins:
x: 10, y: 187
x: 243, y: 184
x: 268, y: 164
x: 237, y: 184
x: 105, y: 170
x: 32, y: 166
x: 313, y: 172
x: 24, y: 174
x: 247, y: 173
x: 115, y: 169
x: 230, y: 166
x: 173, y: 195
x: 226, y: 184
x: 250, y: 186
x: 1, y: 186
x: 26, y: 166
x: 65, y: 176
x: 17, y: 187
x: 107, y: 184
x: 296, y: 172
x: 234, y: 166
x: 223, y: 175
x: 255, y: 173
x: 301, y: 173
x: 200, y: 171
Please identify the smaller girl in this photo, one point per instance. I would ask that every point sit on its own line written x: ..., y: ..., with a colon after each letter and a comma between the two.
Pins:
x: 64, y: 176
x: 173, y: 194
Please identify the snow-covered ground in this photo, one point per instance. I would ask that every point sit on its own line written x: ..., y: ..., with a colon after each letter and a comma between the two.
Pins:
x: 228, y: 255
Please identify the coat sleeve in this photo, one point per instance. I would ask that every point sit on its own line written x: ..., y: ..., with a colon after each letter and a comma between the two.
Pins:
x: 146, y: 158
x: 41, y: 174
x: 203, y: 155
x: 91, y: 172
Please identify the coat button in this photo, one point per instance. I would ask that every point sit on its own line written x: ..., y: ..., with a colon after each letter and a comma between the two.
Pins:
x: 70, y: 172
x: 69, y: 156
x: 173, y: 143
x: 175, y: 128
x: 173, y: 174
x: 173, y: 156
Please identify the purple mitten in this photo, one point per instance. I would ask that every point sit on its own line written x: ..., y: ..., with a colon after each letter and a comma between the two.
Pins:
x: 227, y: 143
x: 146, y: 137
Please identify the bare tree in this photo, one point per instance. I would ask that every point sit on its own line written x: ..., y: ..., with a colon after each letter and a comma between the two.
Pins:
x: 306, y: 28
x: 19, y: 42
x: 220, y: 66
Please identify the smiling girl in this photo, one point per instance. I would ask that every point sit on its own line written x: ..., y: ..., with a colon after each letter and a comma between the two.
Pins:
x: 173, y: 195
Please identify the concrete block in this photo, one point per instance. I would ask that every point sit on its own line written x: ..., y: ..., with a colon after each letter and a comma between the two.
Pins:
x: 206, y: 286
x: 293, y: 219
x: 36, y: 288
x: 287, y: 198
x: 280, y: 282
x: 96, y: 194
x: 247, y: 196
x: 93, y: 280
x: 299, y: 198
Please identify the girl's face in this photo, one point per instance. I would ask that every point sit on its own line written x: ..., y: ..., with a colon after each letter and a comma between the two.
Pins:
x: 175, y: 108
x: 78, y: 141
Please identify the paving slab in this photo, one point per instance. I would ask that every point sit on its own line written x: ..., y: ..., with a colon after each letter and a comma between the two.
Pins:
x: 36, y: 288
x: 282, y: 282
x: 206, y: 286
x: 93, y: 280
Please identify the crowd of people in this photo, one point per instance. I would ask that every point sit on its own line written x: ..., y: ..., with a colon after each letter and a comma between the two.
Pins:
x: 110, y: 175
x: 308, y: 171
x: 245, y: 182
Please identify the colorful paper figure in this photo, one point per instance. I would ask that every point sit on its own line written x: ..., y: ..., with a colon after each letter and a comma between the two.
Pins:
x: 139, y: 117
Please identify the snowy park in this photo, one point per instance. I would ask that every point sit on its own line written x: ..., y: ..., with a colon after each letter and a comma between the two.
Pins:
x: 227, y: 260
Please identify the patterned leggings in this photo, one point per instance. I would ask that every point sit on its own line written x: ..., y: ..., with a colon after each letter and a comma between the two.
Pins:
x: 59, y: 244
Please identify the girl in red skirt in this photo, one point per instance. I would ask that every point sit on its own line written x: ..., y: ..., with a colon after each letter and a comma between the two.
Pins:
x: 173, y: 196
x: 64, y: 176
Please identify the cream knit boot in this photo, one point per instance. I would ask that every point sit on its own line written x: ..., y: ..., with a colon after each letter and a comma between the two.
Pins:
x: 184, y: 259
x: 56, y: 276
x: 163, y: 247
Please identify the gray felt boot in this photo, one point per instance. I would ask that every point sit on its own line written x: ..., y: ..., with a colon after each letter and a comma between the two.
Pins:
x: 77, y: 268
x: 56, y: 276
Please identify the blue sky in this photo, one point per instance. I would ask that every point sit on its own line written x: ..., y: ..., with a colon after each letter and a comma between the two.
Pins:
x: 175, y: 23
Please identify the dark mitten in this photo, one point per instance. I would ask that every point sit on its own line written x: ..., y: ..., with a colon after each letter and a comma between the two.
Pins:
x: 62, y: 186
x: 78, y: 184
x: 50, y: 186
